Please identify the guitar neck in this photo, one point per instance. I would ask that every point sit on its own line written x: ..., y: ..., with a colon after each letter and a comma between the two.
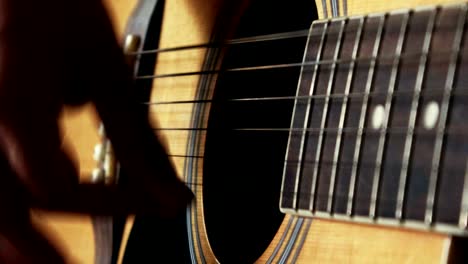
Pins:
x: 378, y: 132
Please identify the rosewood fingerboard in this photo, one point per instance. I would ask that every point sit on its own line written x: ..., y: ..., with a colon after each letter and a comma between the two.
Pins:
x: 379, y: 132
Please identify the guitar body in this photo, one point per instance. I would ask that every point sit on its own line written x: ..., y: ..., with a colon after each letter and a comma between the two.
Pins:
x: 237, y: 194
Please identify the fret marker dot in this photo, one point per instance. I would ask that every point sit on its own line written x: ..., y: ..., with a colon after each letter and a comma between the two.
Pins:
x: 431, y: 114
x: 378, y: 117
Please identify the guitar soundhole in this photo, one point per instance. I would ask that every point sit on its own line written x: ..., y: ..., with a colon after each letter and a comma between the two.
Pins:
x: 243, y: 168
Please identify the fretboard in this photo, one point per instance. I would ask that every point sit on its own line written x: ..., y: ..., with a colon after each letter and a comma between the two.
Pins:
x: 379, y: 131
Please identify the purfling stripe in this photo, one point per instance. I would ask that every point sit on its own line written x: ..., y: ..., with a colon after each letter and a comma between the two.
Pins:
x: 292, y: 240
x: 308, y: 223
x: 194, y: 144
x: 345, y: 7
x: 289, y: 234
x: 335, y: 8
x: 283, y: 237
x: 324, y: 7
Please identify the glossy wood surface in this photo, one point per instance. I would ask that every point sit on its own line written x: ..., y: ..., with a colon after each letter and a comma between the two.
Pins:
x: 188, y: 22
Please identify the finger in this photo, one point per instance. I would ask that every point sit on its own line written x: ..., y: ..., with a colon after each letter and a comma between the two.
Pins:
x: 48, y: 175
x: 125, y: 119
x: 20, y: 242
x: 23, y: 244
x: 30, y: 105
x: 51, y: 181
x: 34, y: 151
x: 116, y: 101
x: 31, y: 144
x: 29, y: 136
x: 113, y: 200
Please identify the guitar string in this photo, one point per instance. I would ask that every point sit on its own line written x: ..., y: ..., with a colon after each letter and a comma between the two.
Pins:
x: 252, y: 39
x: 244, y: 40
x: 297, y: 64
x: 424, y: 93
x: 308, y: 162
x: 454, y: 131
x: 277, y: 36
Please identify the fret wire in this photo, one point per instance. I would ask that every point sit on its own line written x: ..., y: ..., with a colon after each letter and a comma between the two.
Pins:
x: 344, y: 105
x: 388, y: 105
x: 463, y: 220
x: 429, y: 214
x: 326, y: 109
x: 296, y: 183
x: 413, y: 116
x: 309, y: 103
x: 362, y: 118
x: 278, y: 66
x: 323, y: 120
x: 343, y: 96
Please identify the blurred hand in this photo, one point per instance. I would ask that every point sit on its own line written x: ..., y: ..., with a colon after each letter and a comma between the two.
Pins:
x: 55, y: 53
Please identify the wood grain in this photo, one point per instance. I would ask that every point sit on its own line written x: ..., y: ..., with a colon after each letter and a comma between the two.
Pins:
x: 360, y: 7
x: 337, y: 242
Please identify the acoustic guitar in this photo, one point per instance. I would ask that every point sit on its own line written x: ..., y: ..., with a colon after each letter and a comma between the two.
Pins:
x: 332, y: 131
